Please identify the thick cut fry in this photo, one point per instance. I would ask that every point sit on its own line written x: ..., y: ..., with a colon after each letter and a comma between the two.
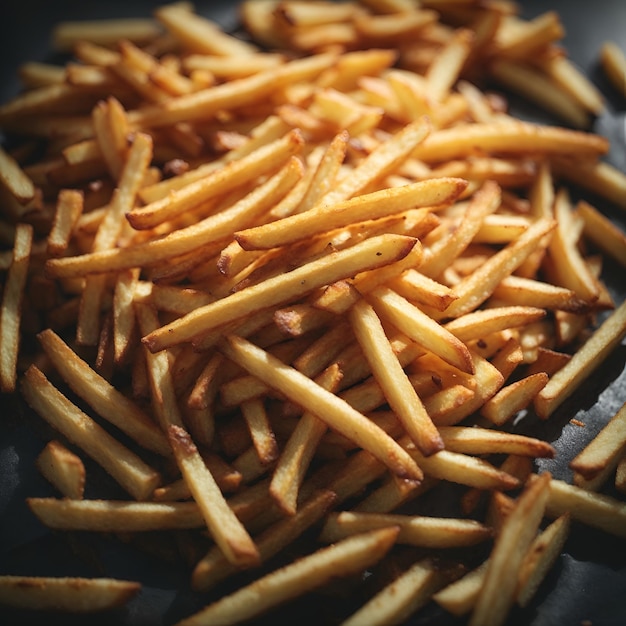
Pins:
x: 66, y: 594
x: 11, y: 311
x: 372, y: 253
x: 69, y: 208
x: 497, y: 594
x: 564, y: 382
x: 396, y: 386
x: 325, y: 217
x: 132, y: 473
x: 590, y: 508
x: 346, y: 557
x: 415, y: 530
x: 14, y: 179
x: 606, y: 446
x: 63, y: 469
x: 337, y: 413
x: 614, y: 65
x: 401, y: 598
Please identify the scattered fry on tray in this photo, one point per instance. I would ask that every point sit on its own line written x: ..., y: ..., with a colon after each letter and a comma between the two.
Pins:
x: 280, y: 288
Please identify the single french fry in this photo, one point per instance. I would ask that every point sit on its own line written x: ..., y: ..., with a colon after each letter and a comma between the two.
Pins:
x: 64, y: 469
x: 371, y: 253
x: 497, y: 594
x: 614, y: 65
x: 543, y: 552
x: 69, y: 208
x: 11, y: 310
x: 409, y: 592
x: 343, y: 558
x: 387, y: 370
x: 415, y: 530
x: 566, y: 380
x: 66, y: 594
x: 607, y: 445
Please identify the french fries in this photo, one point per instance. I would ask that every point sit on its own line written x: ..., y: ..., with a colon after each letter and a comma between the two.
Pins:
x: 277, y: 287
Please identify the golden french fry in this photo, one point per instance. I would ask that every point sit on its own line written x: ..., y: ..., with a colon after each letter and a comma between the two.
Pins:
x: 136, y: 476
x: 371, y: 253
x: 63, y: 469
x: 606, y: 446
x: 566, y: 380
x: 66, y: 594
x: 11, y: 311
x: 396, y: 386
x: 614, y: 65
x: 337, y: 413
x: 497, y: 594
x: 341, y: 559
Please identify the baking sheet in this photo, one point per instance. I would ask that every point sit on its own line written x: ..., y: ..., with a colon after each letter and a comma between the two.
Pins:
x: 589, y: 579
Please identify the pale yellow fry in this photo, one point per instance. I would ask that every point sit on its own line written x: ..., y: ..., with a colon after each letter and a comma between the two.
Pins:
x: 101, y: 395
x: 200, y: 34
x: 396, y: 602
x: 11, y: 311
x: 416, y: 530
x: 521, y: 291
x: 593, y: 509
x: 497, y: 594
x: 473, y: 290
x: 522, y: 78
x: 603, y: 232
x: 131, y: 472
x: 513, y: 398
x: 68, y: 209
x: 266, y: 159
x: 185, y: 240
x: 104, y: 32
x: 409, y: 319
x: 583, y: 362
x: 337, y: 413
x: 346, y: 557
x: 64, y: 469
x: 115, y: 515
x: 298, y: 451
x: 543, y: 552
x: 483, y: 322
x: 66, y: 594
x: 14, y: 179
x: 464, y: 470
x: 478, y: 441
x: 325, y: 217
x: 508, y: 137
x: 604, y: 448
x: 227, y: 531
x: 444, y: 71
x: 371, y: 253
x: 459, y: 597
x: 613, y: 62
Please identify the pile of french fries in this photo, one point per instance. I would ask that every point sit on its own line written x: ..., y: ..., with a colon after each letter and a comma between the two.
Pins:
x: 282, y: 287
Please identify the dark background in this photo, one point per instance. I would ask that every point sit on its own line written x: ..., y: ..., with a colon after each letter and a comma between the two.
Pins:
x: 589, y: 580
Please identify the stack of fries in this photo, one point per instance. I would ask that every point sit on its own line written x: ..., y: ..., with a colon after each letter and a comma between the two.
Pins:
x: 282, y: 288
